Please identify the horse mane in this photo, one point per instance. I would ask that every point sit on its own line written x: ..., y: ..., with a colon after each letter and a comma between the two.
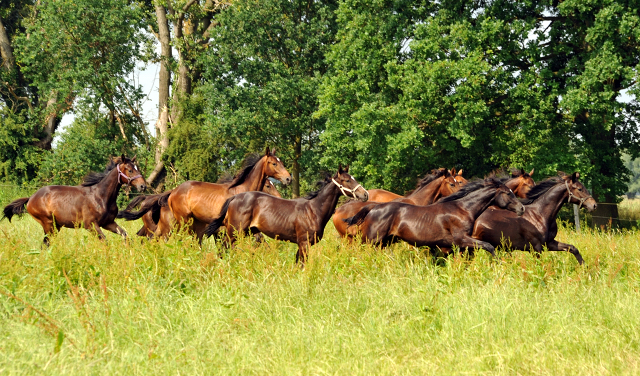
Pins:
x: 472, y: 186
x: 247, y: 165
x: 430, y: 177
x: 94, y: 178
x: 543, y: 187
x: 320, y: 184
x: 225, y: 178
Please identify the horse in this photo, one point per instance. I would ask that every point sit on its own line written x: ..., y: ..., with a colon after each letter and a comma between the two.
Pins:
x: 537, y: 228
x: 91, y: 205
x: 201, y: 202
x: 445, y: 223
x: 151, y: 212
x: 301, y: 221
x: 458, y: 176
x: 439, y: 183
x: 521, y: 182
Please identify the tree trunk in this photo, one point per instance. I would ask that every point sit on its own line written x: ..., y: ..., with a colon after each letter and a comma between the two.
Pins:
x: 51, y: 124
x: 5, y: 48
x: 164, y: 83
x: 295, y: 169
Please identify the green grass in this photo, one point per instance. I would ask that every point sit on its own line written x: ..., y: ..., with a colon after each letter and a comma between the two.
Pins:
x: 88, y: 307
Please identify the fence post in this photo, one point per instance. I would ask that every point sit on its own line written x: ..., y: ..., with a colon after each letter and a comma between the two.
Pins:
x: 576, y: 216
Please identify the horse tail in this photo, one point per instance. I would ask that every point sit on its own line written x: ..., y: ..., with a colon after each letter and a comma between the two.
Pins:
x: 214, y: 226
x: 359, y: 217
x: 164, y: 199
x: 148, y: 203
x: 15, y: 208
x: 137, y: 201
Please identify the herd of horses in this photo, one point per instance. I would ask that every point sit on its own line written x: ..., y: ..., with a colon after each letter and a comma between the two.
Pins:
x: 443, y: 211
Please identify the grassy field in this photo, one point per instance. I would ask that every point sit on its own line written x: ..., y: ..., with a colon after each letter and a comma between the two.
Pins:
x: 88, y: 307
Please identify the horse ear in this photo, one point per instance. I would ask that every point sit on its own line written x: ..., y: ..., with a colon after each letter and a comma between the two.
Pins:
x: 267, y: 152
x: 273, y: 151
x: 531, y: 173
x: 460, y: 172
x: 122, y: 158
x: 134, y: 158
x: 575, y: 176
x: 522, y: 172
x: 340, y: 168
x: 453, y: 171
x: 346, y: 169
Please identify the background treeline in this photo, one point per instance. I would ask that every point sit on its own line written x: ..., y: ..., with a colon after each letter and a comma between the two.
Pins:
x: 395, y: 88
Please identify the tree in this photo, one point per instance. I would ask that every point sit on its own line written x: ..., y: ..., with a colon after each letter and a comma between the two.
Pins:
x: 482, y: 84
x: 65, y: 55
x: 264, y: 63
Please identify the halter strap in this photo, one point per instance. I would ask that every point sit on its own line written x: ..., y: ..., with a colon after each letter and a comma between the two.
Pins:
x: 343, y: 188
x: 582, y: 200
x: 120, y: 174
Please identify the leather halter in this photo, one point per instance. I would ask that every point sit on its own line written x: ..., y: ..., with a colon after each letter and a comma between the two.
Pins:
x: 120, y: 174
x: 343, y: 189
x: 582, y: 200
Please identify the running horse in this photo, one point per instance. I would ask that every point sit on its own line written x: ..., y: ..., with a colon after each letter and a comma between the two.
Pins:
x: 445, y: 223
x: 537, y: 228
x: 196, y: 203
x: 91, y: 205
x: 439, y: 183
x: 151, y: 212
x: 301, y: 221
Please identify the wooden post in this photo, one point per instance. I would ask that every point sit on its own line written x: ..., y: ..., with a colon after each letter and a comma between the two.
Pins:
x: 576, y: 215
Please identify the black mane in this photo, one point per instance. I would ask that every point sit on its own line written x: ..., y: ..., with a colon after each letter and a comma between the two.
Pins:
x: 433, y: 175
x: 320, y: 184
x: 247, y: 165
x: 541, y: 188
x: 94, y: 178
x: 472, y: 186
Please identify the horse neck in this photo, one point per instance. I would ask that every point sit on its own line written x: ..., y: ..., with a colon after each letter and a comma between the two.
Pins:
x: 426, y: 195
x: 515, y: 185
x: 255, y: 180
x: 109, y: 186
x: 476, y: 202
x: 549, y: 204
x: 325, y: 202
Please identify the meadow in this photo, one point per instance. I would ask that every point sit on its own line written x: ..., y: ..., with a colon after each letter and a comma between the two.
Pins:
x: 83, y: 306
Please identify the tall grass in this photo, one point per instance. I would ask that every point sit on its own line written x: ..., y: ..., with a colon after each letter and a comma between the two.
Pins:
x: 150, y: 307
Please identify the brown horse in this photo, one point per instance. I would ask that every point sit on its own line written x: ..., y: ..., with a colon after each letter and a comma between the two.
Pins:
x: 91, y: 205
x: 537, y: 227
x: 445, y: 223
x: 201, y: 202
x: 521, y: 182
x: 151, y: 212
x: 301, y: 221
x: 439, y: 183
x: 381, y: 195
x: 458, y: 176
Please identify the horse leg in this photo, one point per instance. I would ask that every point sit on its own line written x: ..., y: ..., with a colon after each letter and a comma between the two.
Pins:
x: 301, y: 256
x: 198, y: 228
x: 47, y: 226
x: 467, y: 241
x: 113, y: 227
x: 96, y: 227
x: 555, y: 245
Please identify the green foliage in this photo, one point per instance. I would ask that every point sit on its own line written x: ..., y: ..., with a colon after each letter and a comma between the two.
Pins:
x: 19, y: 159
x: 84, y: 146
x: 193, y: 152
x: 263, y: 67
x: 478, y: 86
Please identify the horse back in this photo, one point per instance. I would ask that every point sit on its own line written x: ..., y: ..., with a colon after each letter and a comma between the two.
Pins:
x: 64, y: 203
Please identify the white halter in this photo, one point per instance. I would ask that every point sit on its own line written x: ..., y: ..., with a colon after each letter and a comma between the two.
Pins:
x: 343, y: 189
x: 125, y: 176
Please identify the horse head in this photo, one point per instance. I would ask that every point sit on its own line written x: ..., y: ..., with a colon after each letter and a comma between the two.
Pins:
x: 448, y: 185
x: 578, y: 193
x: 348, y: 185
x: 521, y: 182
x: 458, y: 176
x: 506, y: 199
x: 270, y: 189
x: 129, y: 173
x: 274, y: 167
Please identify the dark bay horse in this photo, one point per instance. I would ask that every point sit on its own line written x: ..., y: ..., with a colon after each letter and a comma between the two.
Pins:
x: 445, y: 223
x: 91, y: 205
x: 151, y: 212
x: 201, y: 202
x: 537, y: 227
x: 439, y: 183
x: 301, y: 221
